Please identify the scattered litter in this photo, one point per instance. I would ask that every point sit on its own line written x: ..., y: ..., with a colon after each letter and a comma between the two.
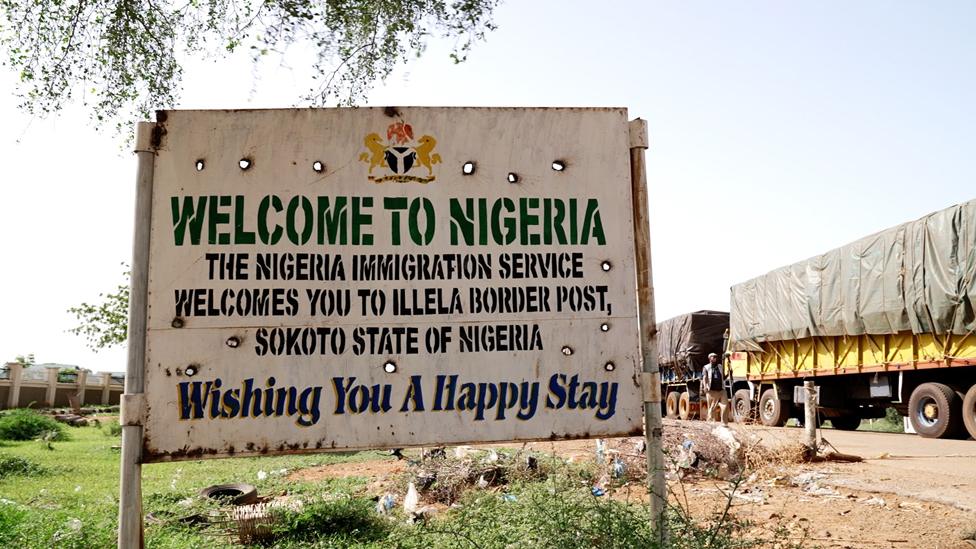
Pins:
x: 597, y: 491
x: 618, y: 467
x: 755, y: 496
x: 816, y: 489
x: 461, y: 452
x: 385, y: 504
x: 726, y: 435
x: 74, y: 524
x: 911, y: 505
x: 424, y: 513
x: 411, y: 500
x: 687, y: 458
x: 806, y: 478
x: 253, y: 523
x: 601, y: 450
x: 262, y: 475
x: 237, y: 494
x: 78, y: 488
x: 482, y: 483
x: 882, y: 455
x: 872, y: 501
x: 509, y: 497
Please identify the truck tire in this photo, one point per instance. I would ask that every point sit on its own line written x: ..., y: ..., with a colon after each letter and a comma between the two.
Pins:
x: 772, y: 411
x: 846, y: 423
x: 935, y: 411
x: 684, y: 406
x: 671, y: 404
x: 969, y: 411
x: 741, y: 406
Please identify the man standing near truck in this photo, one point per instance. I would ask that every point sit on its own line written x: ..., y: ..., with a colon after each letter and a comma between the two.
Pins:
x: 713, y: 386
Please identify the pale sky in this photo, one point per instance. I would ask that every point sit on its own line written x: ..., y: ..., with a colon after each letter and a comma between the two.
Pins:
x: 779, y: 130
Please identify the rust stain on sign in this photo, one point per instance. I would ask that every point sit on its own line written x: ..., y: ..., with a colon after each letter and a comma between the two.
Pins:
x: 406, y: 300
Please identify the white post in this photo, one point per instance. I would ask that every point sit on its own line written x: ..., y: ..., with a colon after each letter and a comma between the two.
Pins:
x: 16, y: 370
x: 82, y: 385
x: 52, y: 385
x: 106, y: 388
x: 810, y: 417
x: 130, y: 496
x: 651, y: 379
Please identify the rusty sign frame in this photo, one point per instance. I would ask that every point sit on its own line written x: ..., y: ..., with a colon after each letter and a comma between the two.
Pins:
x: 155, y: 141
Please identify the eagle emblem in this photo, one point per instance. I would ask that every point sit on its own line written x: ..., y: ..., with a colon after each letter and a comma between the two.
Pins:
x: 398, y: 154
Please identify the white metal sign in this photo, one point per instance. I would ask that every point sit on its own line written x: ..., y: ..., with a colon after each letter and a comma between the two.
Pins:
x: 367, y: 278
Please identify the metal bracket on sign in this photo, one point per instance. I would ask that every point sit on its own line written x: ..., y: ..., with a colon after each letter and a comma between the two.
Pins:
x: 650, y: 388
x: 132, y: 409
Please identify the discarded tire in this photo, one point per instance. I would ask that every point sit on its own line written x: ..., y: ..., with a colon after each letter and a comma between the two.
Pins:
x: 772, y: 411
x: 741, y: 406
x: 935, y: 411
x: 238, y: 494
x: 969, y: 411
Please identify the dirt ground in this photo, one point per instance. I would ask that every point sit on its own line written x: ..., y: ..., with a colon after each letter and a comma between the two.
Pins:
x: 910, y: 492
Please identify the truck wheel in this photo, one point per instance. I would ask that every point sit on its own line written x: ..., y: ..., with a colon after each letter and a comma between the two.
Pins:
x: 684, y: 406
x: 969, y: 411
x: 741, y: 406
x: 846, y: 423
x: 772, y: 411
x: 671, y: 404
x: 935, y: 411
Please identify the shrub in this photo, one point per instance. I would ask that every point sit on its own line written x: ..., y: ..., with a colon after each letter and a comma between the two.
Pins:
x: 113, y: 429
x: 337, y: 523
x: 11, y: 466
x: 26, y: 424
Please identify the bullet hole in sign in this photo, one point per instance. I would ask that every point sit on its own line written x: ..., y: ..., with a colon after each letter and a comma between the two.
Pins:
x: 244, y: 163
x: 604, y: 327
x: 567, y: 350
x: 233, y: 342
x: 558, y: 165
x: 468, y: 168
x: 389, y: 367
x: 199, y: 165
x: 609, y: 366
x: 318, y: 166
x: 191, y: 370
x: 606, y: 266
x: 513, y: 177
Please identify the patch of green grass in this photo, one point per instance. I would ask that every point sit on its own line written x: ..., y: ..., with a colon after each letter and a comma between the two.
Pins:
x: 15, y: 466
x: 113, y: 429
x: 75, y: 505
x: 26, y: 424
x: 891, y: 423
x: 82, y: 484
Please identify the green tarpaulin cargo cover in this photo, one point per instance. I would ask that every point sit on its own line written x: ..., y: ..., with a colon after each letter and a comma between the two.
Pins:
x: 918, y: 276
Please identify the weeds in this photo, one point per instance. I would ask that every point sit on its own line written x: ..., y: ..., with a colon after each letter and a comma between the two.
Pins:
x: 14, y: 466
x: 113, y: 429
x: 26, y: 424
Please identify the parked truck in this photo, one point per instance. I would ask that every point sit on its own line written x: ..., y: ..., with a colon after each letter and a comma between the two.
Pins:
x: 683, y: 345
x: 886, y: 321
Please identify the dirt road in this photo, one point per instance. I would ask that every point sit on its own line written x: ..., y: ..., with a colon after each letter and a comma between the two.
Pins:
x: 937, y: 470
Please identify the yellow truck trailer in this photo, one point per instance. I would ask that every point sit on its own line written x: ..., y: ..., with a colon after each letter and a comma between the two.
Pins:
x: 886, y: 321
